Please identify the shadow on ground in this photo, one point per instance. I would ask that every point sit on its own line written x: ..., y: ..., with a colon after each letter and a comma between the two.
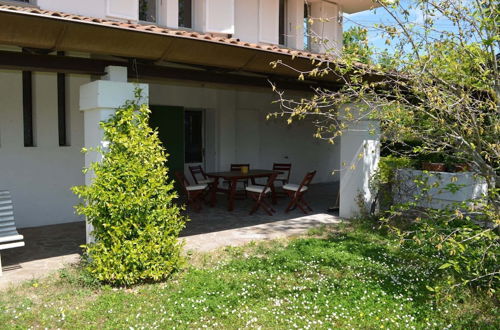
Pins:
x: 320, y: 197
x: 65, y: 239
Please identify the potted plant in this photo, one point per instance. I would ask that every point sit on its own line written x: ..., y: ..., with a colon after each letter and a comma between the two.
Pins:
x: 457, y: 162
x: 462, y: 167
x: 433, y: 162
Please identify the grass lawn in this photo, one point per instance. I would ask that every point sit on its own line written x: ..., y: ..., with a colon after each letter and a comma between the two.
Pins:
x: 348, y: 277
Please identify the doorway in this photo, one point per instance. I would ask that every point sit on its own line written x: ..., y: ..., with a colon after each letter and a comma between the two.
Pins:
x: 182, y: 133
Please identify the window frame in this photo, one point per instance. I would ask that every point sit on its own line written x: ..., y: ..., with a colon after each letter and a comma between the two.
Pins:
x: 62, y: 108
x: 156, y: 13
x: 29, y: 3
x: 191, y: 20
x: 283, y: 22
x: 307, y: 27
x: 202, y: 114
x: 28, y: 113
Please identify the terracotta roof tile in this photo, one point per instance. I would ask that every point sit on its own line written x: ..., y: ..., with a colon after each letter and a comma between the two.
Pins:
x: 151, y: 28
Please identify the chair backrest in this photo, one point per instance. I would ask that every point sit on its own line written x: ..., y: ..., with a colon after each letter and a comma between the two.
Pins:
x: 237, y: 167
x: 197, y: 171
x: 181, y: 178
x: 307, y: 180
x: 8, y: 231
x: 283, y: 167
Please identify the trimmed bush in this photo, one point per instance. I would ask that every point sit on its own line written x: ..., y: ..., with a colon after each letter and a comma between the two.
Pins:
x: 130, y: 204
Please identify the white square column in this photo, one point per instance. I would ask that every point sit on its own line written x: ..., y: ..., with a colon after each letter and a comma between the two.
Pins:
x: 359, y: 157
x: 98, y: 101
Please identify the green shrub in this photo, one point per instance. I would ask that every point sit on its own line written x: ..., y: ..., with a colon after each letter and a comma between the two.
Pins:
x: 388, y: 166
x: 130, y: 204
x: 384, y: 179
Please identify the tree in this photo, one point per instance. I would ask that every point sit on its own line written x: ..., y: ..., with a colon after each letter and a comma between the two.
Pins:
x: 356, y: 44
x: 440, y: 85
x: 131, y: 203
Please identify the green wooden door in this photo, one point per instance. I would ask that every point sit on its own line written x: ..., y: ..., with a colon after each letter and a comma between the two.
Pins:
x: 169, y: 121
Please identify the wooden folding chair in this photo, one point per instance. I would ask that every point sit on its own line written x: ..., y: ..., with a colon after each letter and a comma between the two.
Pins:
x: 195, y: 194
x: 284, y: 177
x: 296, y: 193
x: 241, y: 194
x: 259, y: 194
x: 199, y: 175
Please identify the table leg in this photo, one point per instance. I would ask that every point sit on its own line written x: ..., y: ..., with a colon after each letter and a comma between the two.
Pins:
x: 273, y: 194
x: 213, y: 192
x: 232, y: 193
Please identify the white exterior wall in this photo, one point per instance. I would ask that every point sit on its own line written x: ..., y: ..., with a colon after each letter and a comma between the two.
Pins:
x: 115, y: 9
x: 94, y: 8
x: 257, y: 21
x: 248, y: 20
x: 167, y: 10
x: 40, y: 177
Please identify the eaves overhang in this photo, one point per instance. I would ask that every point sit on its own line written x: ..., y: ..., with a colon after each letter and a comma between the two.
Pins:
x: 56, y: 31
x: 355, y: 6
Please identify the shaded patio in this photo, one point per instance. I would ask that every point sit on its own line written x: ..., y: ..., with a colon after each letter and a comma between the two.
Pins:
x: 50, y: 248
x: 321, y: 196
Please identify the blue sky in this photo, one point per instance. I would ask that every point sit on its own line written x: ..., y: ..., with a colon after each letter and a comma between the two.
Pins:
x: 369, y: 18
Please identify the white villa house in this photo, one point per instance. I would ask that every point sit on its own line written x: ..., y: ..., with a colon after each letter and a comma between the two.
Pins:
x: 204, y: 67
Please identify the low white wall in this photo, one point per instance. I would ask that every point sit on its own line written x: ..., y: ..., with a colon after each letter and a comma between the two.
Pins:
x: 40, y: 177
x: 469, y: 187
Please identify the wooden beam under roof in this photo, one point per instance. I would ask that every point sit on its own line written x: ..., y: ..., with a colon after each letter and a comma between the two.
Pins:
x: 65, y: 64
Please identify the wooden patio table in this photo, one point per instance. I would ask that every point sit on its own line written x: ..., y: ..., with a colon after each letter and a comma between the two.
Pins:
x: 233, y: 177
